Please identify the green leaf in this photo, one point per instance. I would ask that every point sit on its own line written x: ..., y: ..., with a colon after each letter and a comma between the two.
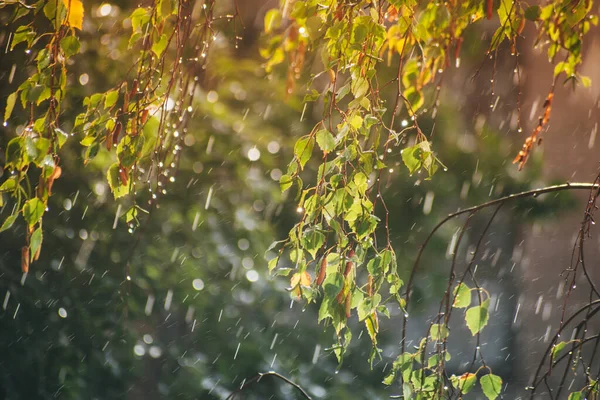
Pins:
x: 285, y: 182
x: 557, y: 348
x: 410, y: 159
x: 368, y: 306
x: 35, y: 242
x: 576, y: 396
x: 533, y: 13
x: 359, y: 87
x: 477, y: 317
x: 380, y: 264
x: 560, y: 67
x: 333, y: 284
x: 356, y: 121
x: 491, y: 385
x: 273, y: 263
x: 462, y: 296
x: 70, y: 45
x: 43, y: 59
x: 131, y: 214
x: 14, y: 150
x: 8, y: 222
x: 166, y: 7
x: 585, y: 81
x: 303, y: 149
x: 10, y: 105
x: 407, y: 390
x: 325, y: 140
x: 139, y: 17
x: 272, y: 20
x: 111, y: 98
x: 62, y: 136
x: 415, y: 99
x: 361, y: 181
x: 9, y: 185
x: 35, y: 93
x: 22, y: 34
x: 465, y: 382
x: 33, y: 211
x: 312, y: 241
x: 160, y: 45
x: 114, y: 181
x: 439, y: 332
x: 129, y: 149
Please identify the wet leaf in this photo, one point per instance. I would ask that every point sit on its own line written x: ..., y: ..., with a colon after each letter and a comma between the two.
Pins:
x: 272, y: 20
x: 33, y: 211
x: 8, y: 222
x: 533, y: 13
x: 477, y: 317
x: 35, y: 242
x: 491, y: 385
x: 10, y: 105
x: 70, y: 45
x: 303, y: 149
x: 465, y: 382
x: 114, y: 181
x: 325, y: 140
x: 462, y: 296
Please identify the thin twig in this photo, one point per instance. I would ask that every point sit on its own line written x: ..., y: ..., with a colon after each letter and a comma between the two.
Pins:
x: 257, y: 379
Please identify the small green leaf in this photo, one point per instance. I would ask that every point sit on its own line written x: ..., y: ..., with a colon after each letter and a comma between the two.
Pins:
x: 10, y: 105
x: 557, y: 348
x: 9, y: 185
x: 35, y: 93
x: 111, y: 98
x: 359, y: 87
x: 407, y: 390
x: 272, y: 20
x: 62, y: 136
x: 8, y: 222
x: 312, y: 241
x: 560, y: 67
x: 465, y: 382
x: 491, y: 385
x: 33, y: 211
x: 303, y: 149
x: 356, y: 121
x: 325, y: 140
x: 14, y: 151
x: 415, y: 99
x: 114, y: 181
x: 439, y: 332
x: 585, y: 81
x: 533, y: 13
x: 333, y: 284
x: 285, y: 182
x: 129, y: 150
x: 576, y: 396
x: 462, y: 296
x: 273, y: 263
x: 368, y: 306
x: 160, y: 45
x: 131, y: 214
x: 70, y: 45
x: 35, y: 242
x: 477, y: 317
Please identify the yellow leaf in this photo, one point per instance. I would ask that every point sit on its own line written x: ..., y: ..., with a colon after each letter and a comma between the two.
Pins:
x: 74, y: 13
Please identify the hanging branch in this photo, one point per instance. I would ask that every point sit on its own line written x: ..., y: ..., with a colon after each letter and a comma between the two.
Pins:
x: 258, y: 378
